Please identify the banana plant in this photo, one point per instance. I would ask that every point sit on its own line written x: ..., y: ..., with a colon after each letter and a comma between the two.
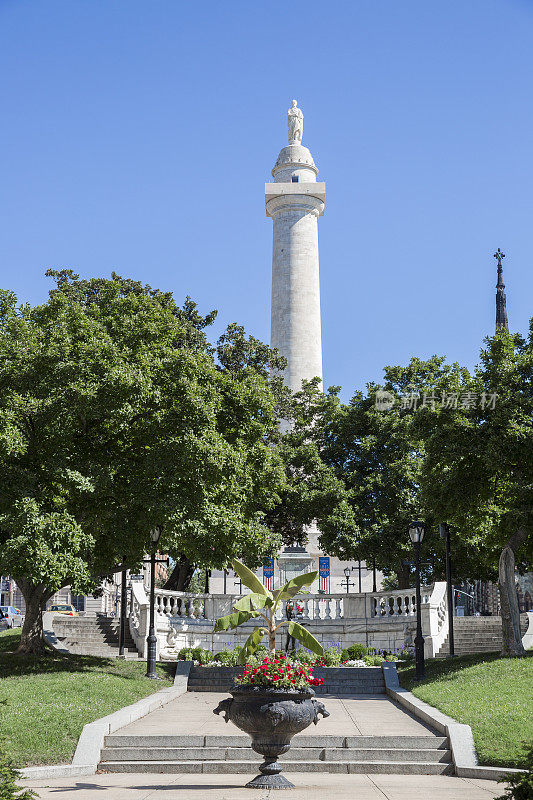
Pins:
x: 262, y: 603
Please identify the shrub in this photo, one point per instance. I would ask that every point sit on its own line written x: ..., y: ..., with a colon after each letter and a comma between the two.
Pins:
x: 185, y: 654
x: 304, y: 656
x: 227, y: 658
x: 332, y: 657
x: 374, y: 661
x: 8, y: 788
x: 206, y: 657
x: 520, y: 785
x: 356, y: 651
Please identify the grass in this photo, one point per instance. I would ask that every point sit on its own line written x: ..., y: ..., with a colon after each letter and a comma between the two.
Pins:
x: 45, y: 701
x: 491, y: 694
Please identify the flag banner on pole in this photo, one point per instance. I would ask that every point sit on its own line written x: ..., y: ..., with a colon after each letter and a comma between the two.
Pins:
x: 268, y: 573
x: 324, y: 572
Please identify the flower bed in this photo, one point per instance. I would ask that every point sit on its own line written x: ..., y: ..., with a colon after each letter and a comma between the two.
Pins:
x: 279, y: 673
x: 355, y: 656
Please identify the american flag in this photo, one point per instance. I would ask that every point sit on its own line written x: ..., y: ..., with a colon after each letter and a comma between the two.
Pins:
x: 268, y: 573
x: 324, y: 584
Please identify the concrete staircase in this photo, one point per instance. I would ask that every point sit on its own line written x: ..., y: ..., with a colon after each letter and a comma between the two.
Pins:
x: 93, y: 636
x: 477, y: 635
x: 342, y: 681
x: 413, y: 755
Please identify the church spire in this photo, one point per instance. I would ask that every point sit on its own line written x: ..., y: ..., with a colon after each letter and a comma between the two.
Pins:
x: 501, y: 304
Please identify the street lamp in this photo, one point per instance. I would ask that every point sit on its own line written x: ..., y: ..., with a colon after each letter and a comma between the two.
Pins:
x: 416, y: 534
x: 348, y: 583
x: 445, y: 534
x: 151, y: 641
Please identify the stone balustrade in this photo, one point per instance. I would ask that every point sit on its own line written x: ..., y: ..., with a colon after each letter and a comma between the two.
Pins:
x: 382, y: 620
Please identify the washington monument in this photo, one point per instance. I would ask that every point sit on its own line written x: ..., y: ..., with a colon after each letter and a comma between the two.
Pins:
x: 295, y: 201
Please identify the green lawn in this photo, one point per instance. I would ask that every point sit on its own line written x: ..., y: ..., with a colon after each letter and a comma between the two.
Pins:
x: 45, y: 702
x: 491, y: 694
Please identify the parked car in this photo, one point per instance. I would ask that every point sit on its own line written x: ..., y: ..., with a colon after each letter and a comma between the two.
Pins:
x: 64, y: 608
x: 14, y: 616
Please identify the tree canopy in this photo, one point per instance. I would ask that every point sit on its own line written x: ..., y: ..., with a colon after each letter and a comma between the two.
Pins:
x: 116, y: 415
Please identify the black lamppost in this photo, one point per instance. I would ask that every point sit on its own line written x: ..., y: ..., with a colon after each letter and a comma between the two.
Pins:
x: 347, y: 583
x: 122, y: 628
x: 416, y: 534
x: 445, y: 534
x: 151, y: 641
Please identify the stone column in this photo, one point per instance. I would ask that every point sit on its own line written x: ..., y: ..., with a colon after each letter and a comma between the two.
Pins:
x: 295, y: 324
x: 295, y: 201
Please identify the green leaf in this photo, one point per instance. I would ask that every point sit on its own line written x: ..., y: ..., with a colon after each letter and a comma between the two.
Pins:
x: 250, y: 645
x: 295, y: 585
x: 305, y: 638
x: 233, y: 620
x: 250, y: 602
x: 250, y: 580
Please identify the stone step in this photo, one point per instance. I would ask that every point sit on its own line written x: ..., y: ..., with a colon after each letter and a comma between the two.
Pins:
x: 116, y: 754
x: 300, y: 740
x: 101, y: 652
x: 250, y: 767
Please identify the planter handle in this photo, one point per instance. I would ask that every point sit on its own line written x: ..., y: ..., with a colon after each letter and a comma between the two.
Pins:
x: 319, y: 709
x: 224, y: 708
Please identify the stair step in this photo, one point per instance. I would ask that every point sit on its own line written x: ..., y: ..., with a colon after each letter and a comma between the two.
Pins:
x: 301, y: 740
x: 333, y: 754
x: 250, y: 767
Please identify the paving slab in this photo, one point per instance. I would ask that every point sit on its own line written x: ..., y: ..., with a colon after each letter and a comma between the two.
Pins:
x: 230, y: 787
x: 350, y: 715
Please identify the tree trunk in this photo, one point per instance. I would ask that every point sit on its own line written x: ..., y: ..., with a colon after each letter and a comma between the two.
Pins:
x: 35, y: 597
x: 180, y: 578
x: 512, y: 639
x: 404, y: 576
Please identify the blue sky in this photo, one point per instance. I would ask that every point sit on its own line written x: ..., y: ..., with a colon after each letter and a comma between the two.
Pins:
x: 137, y: 136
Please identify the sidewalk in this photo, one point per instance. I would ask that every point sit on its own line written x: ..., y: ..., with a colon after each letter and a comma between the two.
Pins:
x: 230, y: 787
x: 367, y: 715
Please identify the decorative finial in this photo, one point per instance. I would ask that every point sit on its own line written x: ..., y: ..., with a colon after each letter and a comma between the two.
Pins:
x: 499, y: 255
x: 295, y: 121
x: 501, y: 302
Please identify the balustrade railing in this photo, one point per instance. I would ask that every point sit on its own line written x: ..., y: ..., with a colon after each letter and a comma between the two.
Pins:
x: 398, y: 603
x: 186, y: 612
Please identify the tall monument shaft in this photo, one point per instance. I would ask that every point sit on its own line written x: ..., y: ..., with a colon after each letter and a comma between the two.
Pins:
x: 295, y: 201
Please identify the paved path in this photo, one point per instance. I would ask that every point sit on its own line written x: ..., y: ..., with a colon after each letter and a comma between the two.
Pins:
x: 193, y: 714
x: 230, y: 787
x: 367, y: 715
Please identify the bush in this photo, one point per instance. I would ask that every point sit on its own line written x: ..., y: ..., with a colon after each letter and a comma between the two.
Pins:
x: 520, y: 786
x: 304, y: 656
x: 227, y: 658
x: 206, y: 657
x: 8, y: 788
x: 374, y: 661
x: 356, y: 652
x: 332, y: 657
x: 185, y: 654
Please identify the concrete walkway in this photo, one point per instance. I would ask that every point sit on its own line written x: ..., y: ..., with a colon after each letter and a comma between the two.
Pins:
x: 367, y: 715
x: 314, y: 786
x: 192, y: 714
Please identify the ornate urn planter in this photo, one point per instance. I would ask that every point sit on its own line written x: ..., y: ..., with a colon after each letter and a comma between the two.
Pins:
x: 271, y: 717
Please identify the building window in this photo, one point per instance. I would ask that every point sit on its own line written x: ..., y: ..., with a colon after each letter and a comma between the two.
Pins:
x: 78, y: 601
x: 295, y: 178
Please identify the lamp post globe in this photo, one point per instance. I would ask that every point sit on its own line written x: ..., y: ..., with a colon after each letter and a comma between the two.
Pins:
x: 417, y: 530
x: 151, y: 641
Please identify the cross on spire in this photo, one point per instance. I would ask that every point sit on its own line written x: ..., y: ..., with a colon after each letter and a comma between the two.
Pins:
x: 499, y: 255
x: 501, y: 302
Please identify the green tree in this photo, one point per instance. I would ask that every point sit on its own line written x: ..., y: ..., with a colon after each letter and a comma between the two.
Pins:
x: 117, y: 415
x: 379, y: 456
x: 478, y: 470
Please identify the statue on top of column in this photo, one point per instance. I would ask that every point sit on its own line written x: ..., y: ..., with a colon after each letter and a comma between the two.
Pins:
x: 295, y: 121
